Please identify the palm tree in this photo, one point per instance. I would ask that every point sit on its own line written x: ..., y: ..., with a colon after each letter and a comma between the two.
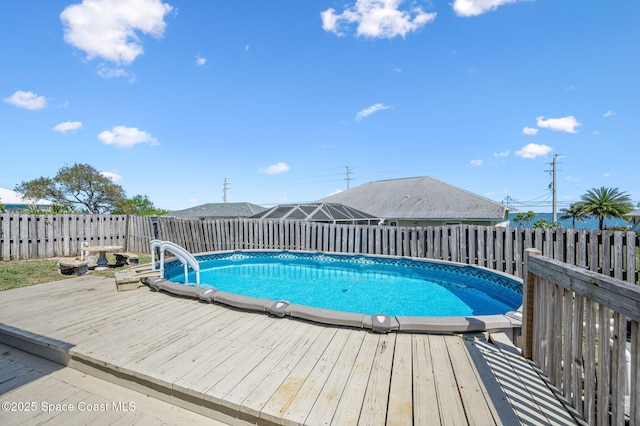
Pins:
x: 574, y: 212
x: 605, y: 202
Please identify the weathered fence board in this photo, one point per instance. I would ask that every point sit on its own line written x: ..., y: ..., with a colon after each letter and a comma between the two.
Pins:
x: 25, y: 236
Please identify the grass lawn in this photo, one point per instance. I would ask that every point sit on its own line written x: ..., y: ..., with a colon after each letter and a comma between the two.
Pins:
x: 22, y: 273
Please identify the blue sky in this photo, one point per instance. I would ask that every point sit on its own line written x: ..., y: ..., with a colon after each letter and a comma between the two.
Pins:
x: 170, y: 98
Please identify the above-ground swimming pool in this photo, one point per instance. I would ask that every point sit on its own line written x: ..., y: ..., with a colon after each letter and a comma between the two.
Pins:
x: 357, y: 284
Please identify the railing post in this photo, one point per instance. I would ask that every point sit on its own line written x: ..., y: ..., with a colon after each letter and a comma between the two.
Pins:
x: 528, y: 281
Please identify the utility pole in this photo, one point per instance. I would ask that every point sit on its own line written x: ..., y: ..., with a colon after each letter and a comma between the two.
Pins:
x: 508, y: 200
x: 553, y: 189
x: 348, y: 178
x: 224, y: 190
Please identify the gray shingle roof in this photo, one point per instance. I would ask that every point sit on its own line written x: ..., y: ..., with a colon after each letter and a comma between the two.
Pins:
x: 418, y: 198
x: 219, y: 210
x: 633, y: 213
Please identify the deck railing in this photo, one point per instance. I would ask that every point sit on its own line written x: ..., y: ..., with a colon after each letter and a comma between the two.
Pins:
x: 581, y: 328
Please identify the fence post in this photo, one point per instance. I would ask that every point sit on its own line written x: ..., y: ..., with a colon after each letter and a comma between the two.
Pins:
x: 528, y: 281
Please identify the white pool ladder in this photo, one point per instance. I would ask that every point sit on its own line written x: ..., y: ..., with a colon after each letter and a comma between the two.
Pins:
x: 186, y: 258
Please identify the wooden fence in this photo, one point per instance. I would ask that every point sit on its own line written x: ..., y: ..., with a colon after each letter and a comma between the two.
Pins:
x: 613, y: 253
x: 607, y: 252
x: 27, y: 236
x: 582, y: 330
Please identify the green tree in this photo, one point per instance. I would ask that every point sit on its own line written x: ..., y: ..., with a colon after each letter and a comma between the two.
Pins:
x: 523, y: 219
x: 53, y: 209
x: 544, y: 223
x: 574, y: 212
x: 79, y: 188
x: 139, y: 205
x: 605, y: 202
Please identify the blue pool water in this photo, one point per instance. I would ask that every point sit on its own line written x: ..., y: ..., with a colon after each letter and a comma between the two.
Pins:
x: 365, y: 285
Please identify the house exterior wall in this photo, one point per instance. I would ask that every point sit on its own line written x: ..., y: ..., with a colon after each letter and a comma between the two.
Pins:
x: 442, y: 222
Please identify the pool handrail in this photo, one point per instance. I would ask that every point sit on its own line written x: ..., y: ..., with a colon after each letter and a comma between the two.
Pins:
x: 186, y: 258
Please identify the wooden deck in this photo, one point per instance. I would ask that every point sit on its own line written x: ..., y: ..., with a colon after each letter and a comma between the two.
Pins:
x: 47, y: 387
x: 245, y: 368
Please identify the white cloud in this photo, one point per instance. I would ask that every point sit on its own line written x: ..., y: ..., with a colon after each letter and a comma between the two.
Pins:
x: 109, y: 29
x: 27, y: 100
x: 609, y: 114
x: 533, y: 150
x: 530, y: 131
x: 122, y: 136
x: 377, y: 19
x: 501, y: 154
x: 565, y: 124
x: 113, y: 176
x: 370, y: 110
x: 477, y: 7
x: 337, y: 191
x: 476, y: 163
x: 200, y: 61
x: 67, y: 126
x: 114, y: 72
x: 275, y: 169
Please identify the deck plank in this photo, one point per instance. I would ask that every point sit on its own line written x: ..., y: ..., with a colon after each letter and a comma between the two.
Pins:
x: 374, y: 406
x: 327, y: 402
x: 425, y: 396
x: 449, y: 401
x: 236, y: 371
x: 400, y: 408
x: 264, y: 381
x: 479, y: 410
x: 353, y: 395
x: 275, y: 407
x: 305, y: 399
x: 56, y: 384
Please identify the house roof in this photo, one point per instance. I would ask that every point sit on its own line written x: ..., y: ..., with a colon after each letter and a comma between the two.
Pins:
x: 633, y: 213
x: 316, y: 212
x: 419, y: 198
x: 221, y: 210
x: 9, y: 197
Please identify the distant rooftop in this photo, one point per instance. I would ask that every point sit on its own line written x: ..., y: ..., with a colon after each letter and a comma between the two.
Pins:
x: 219, y: 210
x: 11, y: 198
x: 419, y: 198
